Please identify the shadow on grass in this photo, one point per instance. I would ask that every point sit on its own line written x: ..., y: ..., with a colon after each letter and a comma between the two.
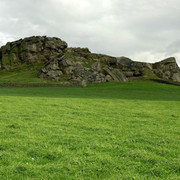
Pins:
x: 135, y: 90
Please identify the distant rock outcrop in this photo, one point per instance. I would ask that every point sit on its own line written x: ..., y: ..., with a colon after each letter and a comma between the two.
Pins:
x: 59, y: 63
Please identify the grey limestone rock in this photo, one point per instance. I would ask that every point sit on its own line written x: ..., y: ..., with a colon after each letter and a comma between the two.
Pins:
x: 116, y: 74
x: 167, y: 69
x: 31, y: 50
x: 96, y: 66
x: 124, y: 61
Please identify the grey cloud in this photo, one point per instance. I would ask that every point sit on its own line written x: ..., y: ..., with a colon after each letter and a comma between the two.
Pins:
x: 174, y: 47
x: 137, y: 29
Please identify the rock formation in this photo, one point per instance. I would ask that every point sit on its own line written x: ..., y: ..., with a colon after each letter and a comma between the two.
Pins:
x: 167, y: 69
x: 30, y: 50
x: 57, y: 62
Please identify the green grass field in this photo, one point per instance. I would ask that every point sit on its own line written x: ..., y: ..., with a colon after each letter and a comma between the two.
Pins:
x: 104, y: 131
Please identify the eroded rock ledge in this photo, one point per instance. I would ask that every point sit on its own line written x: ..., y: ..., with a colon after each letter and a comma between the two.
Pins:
x: 55, y: 61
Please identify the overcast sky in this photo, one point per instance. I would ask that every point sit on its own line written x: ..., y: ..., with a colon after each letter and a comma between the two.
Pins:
x: 145, y: 30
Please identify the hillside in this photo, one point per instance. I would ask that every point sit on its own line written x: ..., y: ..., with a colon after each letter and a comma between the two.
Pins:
x: 41, y: 59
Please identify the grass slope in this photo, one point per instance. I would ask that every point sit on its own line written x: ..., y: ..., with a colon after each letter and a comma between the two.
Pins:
x: 26, y: 74
x: 21, y: 74
x: 105, y: 131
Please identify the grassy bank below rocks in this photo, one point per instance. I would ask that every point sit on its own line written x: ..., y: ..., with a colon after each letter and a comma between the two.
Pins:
x: 104, y: 131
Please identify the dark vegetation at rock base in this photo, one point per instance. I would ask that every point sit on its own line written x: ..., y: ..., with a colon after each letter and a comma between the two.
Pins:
x: 50, y: 58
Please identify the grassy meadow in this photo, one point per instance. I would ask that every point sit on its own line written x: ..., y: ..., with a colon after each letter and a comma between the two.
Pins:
x: 104, y: 131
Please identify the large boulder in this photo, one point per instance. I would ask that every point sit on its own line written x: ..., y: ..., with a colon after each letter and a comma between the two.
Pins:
x: 124, y: 61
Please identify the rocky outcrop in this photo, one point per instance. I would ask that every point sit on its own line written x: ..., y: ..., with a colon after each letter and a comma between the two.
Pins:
x: 132, y: 68
x: 80, y: 64
x: 167, y: 69
x: 31, y: 50
x: 74, y: 70
x: 55, y: 61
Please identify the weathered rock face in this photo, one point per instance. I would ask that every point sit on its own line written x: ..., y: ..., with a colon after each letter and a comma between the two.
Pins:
x: 73, y: 68
x: 79, y: 65
x: 167, y: 69
x: 132, y: 68
x: 115, y: 74
x: 30, y: 50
